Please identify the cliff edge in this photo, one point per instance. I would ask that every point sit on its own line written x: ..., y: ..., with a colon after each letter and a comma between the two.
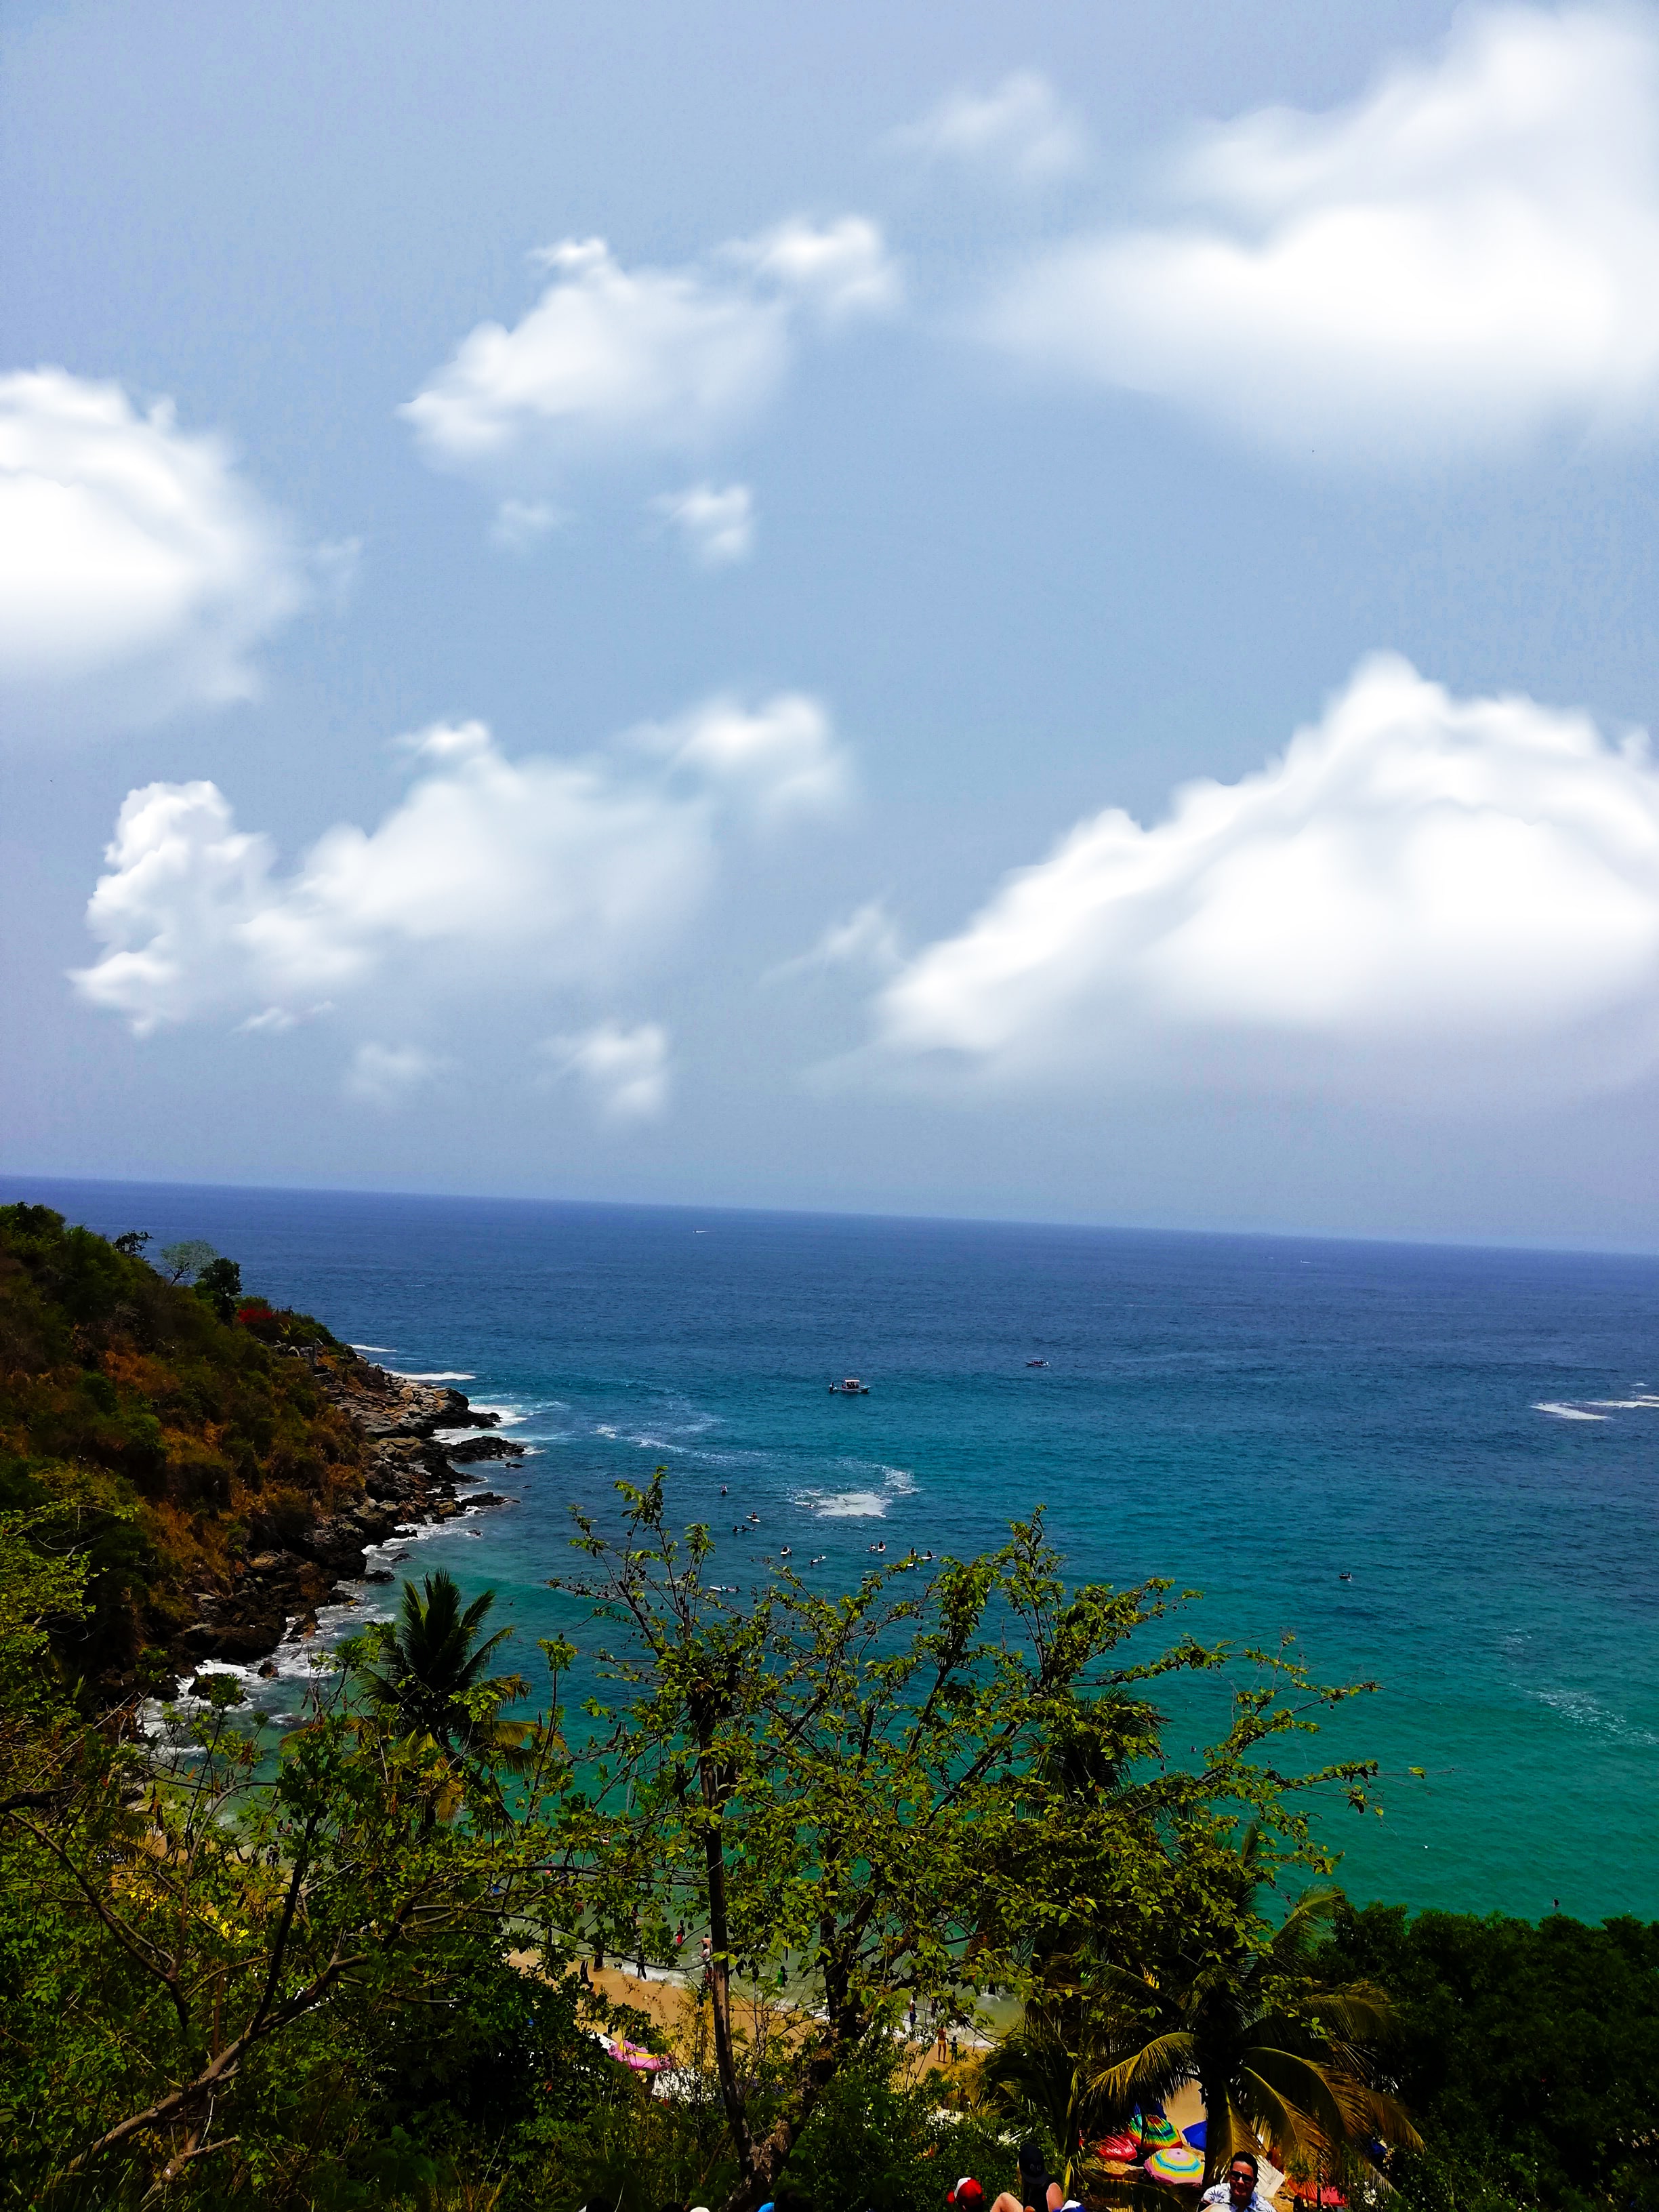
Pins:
x: 224, y: 1465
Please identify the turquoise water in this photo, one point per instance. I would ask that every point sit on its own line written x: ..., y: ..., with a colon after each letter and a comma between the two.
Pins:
x: 1255, y: 1417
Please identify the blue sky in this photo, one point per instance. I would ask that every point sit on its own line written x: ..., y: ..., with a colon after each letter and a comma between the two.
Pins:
x: 621, y: 604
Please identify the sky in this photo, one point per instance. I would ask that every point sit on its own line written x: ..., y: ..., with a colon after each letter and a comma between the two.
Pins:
x: 1038, y: 612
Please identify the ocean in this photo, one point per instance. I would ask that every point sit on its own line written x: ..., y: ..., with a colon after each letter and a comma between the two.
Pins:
x: 1434, y: 1467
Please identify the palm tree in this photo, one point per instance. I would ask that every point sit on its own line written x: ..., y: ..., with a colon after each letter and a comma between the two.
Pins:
x: 1281, y: 2056
x: 1038, y: 2076
x: 434, y: 1686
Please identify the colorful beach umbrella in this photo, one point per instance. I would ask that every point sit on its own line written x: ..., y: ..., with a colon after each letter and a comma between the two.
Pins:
x: 1156, y: 2130
x: 1177, y: 2163
x: 1120, y: 2149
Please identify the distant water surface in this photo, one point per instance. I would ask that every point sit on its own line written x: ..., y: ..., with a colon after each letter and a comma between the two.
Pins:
x: 1469, y: 1436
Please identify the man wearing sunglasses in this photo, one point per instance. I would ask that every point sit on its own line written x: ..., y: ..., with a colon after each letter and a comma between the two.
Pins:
x: 1238, y: 2190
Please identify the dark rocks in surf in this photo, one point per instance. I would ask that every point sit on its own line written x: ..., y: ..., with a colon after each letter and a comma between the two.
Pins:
x: 408, y: 1477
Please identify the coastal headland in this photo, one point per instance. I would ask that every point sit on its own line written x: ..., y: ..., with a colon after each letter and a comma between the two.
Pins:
x: 409, y: 1478
x: 225, y: 1466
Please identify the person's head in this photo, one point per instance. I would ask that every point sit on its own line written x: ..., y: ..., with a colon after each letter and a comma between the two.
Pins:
x: 968, y: 2196
x: 1241, y: 2171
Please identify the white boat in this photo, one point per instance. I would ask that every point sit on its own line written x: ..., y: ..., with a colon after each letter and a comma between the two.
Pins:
x: 849, y: 1387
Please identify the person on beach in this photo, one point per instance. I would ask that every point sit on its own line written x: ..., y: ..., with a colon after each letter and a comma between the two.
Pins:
x: 1238, y: 2190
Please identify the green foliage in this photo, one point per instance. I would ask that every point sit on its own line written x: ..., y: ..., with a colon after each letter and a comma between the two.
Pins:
x: 876, y: 2141
x: 219, y: 1284
x: 127, y: 1403
x: 1530, y: 2055
x: 860, y: 1796
x: 273, y: 1975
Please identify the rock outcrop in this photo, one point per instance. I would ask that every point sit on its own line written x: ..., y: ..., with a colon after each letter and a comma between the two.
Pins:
x: 408, y: 1477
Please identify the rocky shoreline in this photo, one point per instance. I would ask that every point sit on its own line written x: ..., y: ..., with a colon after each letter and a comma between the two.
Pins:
x: 408, y: 1477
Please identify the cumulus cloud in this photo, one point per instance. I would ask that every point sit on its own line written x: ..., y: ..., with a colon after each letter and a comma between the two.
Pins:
x: 624, y: 1071
x: 616, y: 364
x: 137, y: 571
x: 490, y: 873
x: 1436, y: 895
x: 715, y: 523
x: 1019, y: 128
x: 386, y: 1074
x: 1466, y: 257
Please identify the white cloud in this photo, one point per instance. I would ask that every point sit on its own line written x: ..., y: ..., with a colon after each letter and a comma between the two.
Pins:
x: 715, y: 523
x: 616, y: 364
x: 137, y: 571
x: 837, y: 269
x: 625, y: 1071
x: 868, y: 938
x: 1466, y: 257
x: 521, y: 523
x: 1434, y: 896
x: 386, y: 1074
x: 774, y: 761
x: 1019, y: 128
x: 490, y: 874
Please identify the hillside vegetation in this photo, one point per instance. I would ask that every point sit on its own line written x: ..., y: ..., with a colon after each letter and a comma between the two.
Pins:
x: 182, y: 1441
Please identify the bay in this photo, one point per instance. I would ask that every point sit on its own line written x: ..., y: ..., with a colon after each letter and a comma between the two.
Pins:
x: 1431, y: 1466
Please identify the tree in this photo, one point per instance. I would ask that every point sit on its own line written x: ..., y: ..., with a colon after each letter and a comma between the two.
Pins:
x: 1054, y: 2074
x: 1529, y: 2055
x: 219, y: 1284
x: 174, y: 1920
x: 854, y: 1791
x: 185, y: 1261
x: 431, y: 1681
x: 1285, y: 2056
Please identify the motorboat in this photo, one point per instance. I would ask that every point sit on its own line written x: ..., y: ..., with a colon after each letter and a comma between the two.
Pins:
x: 849, y: 1387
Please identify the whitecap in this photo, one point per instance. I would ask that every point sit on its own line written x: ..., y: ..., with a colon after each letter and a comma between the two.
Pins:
x: 374, y: 1347
x: 844, y: 1505
x: 507, y: 1416
x: 1566, y: 1413
x: 1586, y: 1711
x: 441, y: 1374
x: 1623, y: 1404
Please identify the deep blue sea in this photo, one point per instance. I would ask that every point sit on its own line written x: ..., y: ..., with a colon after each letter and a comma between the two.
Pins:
x: 1471, y: 1436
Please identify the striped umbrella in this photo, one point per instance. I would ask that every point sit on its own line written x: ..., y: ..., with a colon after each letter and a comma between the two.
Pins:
x: 1177, y: 2162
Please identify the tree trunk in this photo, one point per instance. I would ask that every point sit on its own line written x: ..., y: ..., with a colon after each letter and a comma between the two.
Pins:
x: 1218, y: 2128
x: 720, y: 1976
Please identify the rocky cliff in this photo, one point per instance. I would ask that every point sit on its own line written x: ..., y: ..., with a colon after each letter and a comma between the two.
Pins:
x: 224, y: 1466
x: 409, y: 1476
